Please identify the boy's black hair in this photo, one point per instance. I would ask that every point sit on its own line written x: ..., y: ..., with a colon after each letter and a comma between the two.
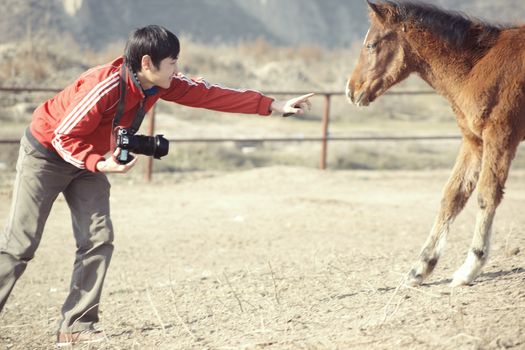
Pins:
x: 155, y: 41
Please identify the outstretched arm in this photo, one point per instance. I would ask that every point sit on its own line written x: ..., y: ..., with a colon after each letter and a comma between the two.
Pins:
x: 200, y: 93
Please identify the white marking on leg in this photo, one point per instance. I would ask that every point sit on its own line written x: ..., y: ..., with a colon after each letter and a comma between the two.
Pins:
x: 437, y: 239
x: 432, y: 250
x: 442, y: 242
x: 479, y: 250
x: 468, y: 271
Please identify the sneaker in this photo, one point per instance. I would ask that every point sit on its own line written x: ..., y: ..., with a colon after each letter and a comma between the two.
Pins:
x: 88, y: 336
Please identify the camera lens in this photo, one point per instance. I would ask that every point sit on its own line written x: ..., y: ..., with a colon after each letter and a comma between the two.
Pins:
x: 161, y: 146
x: 156, y: 146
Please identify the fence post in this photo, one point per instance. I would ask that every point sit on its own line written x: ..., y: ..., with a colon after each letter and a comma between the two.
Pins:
x: 326, y: 121
x: 151, y: 132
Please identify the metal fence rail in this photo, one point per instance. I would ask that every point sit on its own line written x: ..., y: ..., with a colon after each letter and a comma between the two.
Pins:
x: 324, y: 138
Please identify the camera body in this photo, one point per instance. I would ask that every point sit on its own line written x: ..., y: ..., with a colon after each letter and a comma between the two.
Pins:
x: 156, y: 146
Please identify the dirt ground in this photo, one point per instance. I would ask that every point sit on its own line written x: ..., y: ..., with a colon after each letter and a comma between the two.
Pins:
x: 281, y: 258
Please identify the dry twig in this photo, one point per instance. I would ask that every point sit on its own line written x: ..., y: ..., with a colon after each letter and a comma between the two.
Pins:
x: 234, y: 293
x: 385, y: 317
x: 276, y: 291
x: 184, y: 324
x: 155, y: 311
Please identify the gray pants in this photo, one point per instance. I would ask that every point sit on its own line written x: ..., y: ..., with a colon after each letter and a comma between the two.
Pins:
x: 39, y: 180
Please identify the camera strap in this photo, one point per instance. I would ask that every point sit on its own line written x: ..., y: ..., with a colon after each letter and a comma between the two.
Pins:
x: 139, y: 116
x: 122, y: 97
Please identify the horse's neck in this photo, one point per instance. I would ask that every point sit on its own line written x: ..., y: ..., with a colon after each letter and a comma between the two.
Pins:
x: 442, y: 68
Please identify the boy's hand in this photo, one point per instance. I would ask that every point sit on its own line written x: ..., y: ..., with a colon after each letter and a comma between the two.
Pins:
x: 297, y: 105
x: 111, y: 165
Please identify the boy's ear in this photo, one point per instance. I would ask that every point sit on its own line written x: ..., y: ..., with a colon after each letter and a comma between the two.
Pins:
x: 146, y: 63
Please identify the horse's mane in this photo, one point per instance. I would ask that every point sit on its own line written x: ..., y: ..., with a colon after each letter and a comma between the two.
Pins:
x: 454, y: 27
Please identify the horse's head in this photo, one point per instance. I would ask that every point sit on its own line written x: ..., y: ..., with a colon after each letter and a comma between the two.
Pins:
x: 383, y: 61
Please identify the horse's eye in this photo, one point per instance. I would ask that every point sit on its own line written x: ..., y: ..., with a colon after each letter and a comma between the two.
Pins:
x: 371, y: 46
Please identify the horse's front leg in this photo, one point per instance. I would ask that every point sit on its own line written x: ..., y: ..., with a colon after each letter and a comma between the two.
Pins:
x: 458, y: 189
x: 497, y: 158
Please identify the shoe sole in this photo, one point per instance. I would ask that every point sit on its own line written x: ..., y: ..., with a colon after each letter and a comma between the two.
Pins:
x: 70, y: 344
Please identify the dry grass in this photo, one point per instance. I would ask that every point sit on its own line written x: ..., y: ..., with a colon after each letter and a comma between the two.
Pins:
x: 281, y: 258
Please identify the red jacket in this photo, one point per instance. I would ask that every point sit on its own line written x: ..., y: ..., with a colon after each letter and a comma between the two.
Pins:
x: 77, y: 122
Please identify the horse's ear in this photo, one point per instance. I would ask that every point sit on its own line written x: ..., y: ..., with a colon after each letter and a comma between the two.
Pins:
x: 385, y: 12
x: 376, y: 9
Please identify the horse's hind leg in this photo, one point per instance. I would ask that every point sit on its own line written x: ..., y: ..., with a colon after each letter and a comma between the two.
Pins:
x: 494, y: 171
x: 457, y: 191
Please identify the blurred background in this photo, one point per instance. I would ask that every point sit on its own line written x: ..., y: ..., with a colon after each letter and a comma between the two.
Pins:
x: 268, y: 45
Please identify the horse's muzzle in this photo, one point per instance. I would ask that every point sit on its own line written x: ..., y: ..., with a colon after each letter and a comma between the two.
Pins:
x: 360, y: 98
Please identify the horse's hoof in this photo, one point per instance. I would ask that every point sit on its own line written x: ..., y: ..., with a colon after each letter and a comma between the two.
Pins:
x: 415, y: 279
x: 458, y: 283
x: 460, y: 279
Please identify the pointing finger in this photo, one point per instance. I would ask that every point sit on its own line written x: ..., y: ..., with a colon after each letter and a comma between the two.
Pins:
x: 305, y: 97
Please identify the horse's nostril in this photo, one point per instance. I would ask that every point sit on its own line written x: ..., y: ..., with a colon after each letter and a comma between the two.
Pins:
x: 360, y: 97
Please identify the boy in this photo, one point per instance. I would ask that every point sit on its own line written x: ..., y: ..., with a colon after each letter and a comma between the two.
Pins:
x: 63, y: 151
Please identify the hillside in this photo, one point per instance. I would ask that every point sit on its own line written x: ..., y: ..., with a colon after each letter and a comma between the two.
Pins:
x: 98, y: 23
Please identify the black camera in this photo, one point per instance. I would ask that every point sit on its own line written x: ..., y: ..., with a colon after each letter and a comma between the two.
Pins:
x: 156, y: 146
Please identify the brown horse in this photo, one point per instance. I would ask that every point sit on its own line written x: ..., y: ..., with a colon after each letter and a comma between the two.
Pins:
x: 480, y: 69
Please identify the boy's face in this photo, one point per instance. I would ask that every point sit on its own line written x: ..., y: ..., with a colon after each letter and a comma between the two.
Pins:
x: 160, y: 76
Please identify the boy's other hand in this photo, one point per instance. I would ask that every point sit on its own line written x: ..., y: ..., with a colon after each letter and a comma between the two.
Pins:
x: 297, y: 105
x: 111, y: 165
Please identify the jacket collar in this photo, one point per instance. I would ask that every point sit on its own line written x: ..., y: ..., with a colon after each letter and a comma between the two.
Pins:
x: 133, y: 85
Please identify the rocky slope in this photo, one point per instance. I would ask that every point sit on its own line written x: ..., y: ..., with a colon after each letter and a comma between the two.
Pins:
x: 98, y: 23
